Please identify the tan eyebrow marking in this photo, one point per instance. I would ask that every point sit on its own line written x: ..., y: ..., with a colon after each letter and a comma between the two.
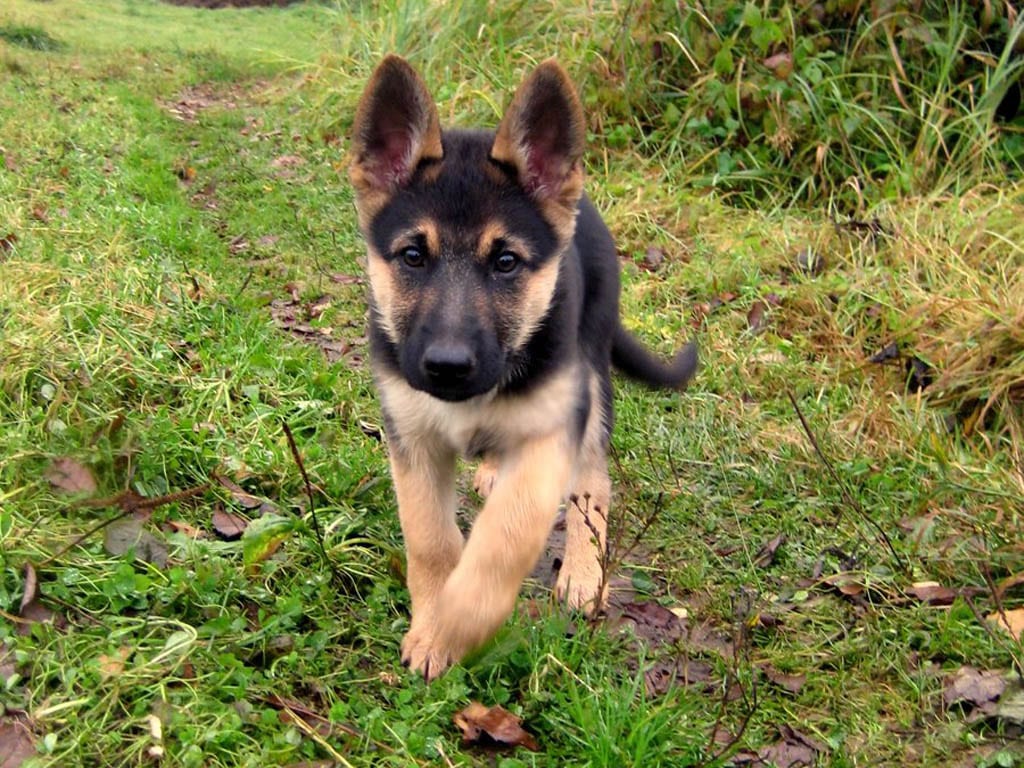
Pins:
x: 425, y: 228
x: 494, y: 231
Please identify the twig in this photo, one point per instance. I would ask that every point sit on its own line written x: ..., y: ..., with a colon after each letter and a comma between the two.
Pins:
x: 847, y: 497
x: 345, y: 581
x: 130, y: 502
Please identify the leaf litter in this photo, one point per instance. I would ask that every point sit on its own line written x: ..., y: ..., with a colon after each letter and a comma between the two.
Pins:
x: 493, y: 726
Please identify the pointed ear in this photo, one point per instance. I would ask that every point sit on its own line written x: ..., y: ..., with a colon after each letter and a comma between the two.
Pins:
x: 396, y: 127
x: 542, y: 136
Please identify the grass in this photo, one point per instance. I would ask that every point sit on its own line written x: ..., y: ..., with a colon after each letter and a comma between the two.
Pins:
x: 177, y: 229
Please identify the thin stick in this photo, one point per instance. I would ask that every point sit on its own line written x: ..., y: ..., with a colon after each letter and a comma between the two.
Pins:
x: 853, y: 504
x: 345, y: 581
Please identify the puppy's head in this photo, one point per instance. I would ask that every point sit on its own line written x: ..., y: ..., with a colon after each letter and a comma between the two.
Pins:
x: 465, y: 229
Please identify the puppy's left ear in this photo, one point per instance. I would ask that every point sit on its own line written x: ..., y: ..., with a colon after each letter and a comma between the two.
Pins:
x: 543, y: 135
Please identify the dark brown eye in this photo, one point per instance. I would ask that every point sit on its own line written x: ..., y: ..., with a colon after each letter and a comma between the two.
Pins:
x: 413, y: 257
x: 506, y: 262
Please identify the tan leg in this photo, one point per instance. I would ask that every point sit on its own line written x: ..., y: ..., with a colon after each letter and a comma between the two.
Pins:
x: 582, y: 582
x: 507, y: 539
x: 425, y: 487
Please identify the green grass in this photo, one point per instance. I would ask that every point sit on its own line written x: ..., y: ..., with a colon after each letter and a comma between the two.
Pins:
x: 137, y: 337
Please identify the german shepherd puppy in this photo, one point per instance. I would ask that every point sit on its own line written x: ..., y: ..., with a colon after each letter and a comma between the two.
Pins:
x: 494, y: 323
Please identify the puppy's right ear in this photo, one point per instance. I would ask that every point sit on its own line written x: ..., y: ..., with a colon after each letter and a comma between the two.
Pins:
x: 396, y: 128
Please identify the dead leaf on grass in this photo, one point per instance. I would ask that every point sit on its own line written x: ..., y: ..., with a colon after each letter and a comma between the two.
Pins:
x: 663, y: 675
x: 932, y: 593
x: 32, y: 609
x: 227, y: 525
x: 240, y: 496
x: 1012, y: 621
x: 482, y: 725
x: 811, y: 262
x: 112, y: 665
x: 70, y: 476
x: 789, y: 682
x: 652, y: 621
x: 766, y: 554
x: 16, y: 743
x: 343, y: 279
x: 653, y: 257
x: 129, y: 534
x: 757, y: 319
x: 970, y: 687
x: 7, y: 242
x: 793, y: 749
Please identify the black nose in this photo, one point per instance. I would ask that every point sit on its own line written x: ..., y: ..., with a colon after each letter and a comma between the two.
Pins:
x: 448, y: 363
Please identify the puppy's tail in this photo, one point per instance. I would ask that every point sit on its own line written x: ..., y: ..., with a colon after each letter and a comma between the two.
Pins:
x: 634, y: 360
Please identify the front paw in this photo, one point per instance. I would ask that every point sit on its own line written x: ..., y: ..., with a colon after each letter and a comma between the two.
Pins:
x: 582, y: 586
x: 421, y: 652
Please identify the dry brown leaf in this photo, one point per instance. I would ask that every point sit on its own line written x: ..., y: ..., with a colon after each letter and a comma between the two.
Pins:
x: 7, y: 242
x: 31, y: 608
x: 227, y: 525
x: 480, y: 724
x: 1009, y: 583
x: 1012, y: 621
x: 972, y: 687
x: 240, y: 495
x: 70, y: 476
x: 113, y: 665
x: 932, y: 593
x: 757, y: 319
x: 16, y: 743
x: 766, y: 554
x: 791, y: 683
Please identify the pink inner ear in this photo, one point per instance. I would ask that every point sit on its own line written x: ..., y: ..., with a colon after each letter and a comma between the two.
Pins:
x: 545, y: 164
x: 391, y: 157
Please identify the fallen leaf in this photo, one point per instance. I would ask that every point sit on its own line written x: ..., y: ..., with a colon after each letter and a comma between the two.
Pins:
x: 781, y: 64
x: 7, y: 242
x: 479, y: 724
x: 756, y: 318
x: 971, y: 687
x: 128, y: 534
x: 113, y: 665
x: 933, y: 593
x: 766, y: 554
x: 1012, y: 621
x: 286, y: 161
x: 791, y: 683
x: 653, y: 621
x: 660, y: 677
x: 810, y: 262
x: 653, y: 257
x: 241, y: 496
x: 32, y: 609
x: 890, y: 351
x: 920, y: 374
x: 792, y: 750
x: 16, y: 744
x: 343, y: 279
x: 1009, y: 583
x: 227, y: 525
x: 70, y: 476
